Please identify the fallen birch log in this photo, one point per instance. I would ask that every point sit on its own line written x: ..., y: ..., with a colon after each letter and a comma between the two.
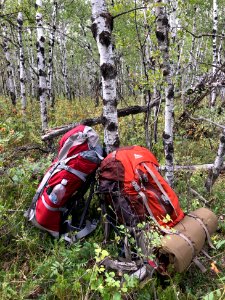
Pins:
x: 203, y: 167
x: 133, y: 110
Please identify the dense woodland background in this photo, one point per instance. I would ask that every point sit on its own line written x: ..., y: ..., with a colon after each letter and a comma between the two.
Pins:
x: 140, y: 72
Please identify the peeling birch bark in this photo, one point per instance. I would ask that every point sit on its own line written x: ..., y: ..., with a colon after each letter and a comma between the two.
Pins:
x: 102, y: 25
x: 21, y: 61
x: 162, y: 31
x: 42, y: 91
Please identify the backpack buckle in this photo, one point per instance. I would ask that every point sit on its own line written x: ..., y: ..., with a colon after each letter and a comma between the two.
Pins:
x: 136, y: 186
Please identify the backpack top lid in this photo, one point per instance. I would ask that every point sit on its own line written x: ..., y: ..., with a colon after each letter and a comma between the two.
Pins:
x: 80, y: 138
x: 125, y: 160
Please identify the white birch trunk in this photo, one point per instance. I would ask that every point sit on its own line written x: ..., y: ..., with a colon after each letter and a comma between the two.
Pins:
x: 21, y: 61
x: 42, y: 91
x: 162, y: 31
x: 50, y: 56
x: 102, y: 25
x: 220, y: 62
x: 220, y: 49
x: 31, y: 62
x: 215, y: 50
x: 10, y: 71
x: 173, y: 18
x: 189, y: 75
x: 218, y: 164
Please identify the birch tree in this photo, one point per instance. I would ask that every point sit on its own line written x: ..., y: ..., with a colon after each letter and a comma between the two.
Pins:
x: 10, y: 72
x: 102, y: 25
x: 31, y: 62
x: 215, y: 50
x: 162, y: 30
x: 50, y: 56
x: 21, y: 60
x: 42, y: 91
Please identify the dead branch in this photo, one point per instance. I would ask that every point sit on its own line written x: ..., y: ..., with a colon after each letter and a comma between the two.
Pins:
x: 198, y: 36
x: 203, y: 167
x: 133, y: 110
x: 200, y: 197
x: 120, y: 266
x: 207, y: 120
x: 128, y: 11
x: 32, y: 147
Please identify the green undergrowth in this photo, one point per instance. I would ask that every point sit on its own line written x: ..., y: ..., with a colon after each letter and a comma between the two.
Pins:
x: 35, y: 266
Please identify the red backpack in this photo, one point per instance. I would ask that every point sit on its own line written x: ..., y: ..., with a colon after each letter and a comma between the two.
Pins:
x: 130, y: 180
x: 79, y: 156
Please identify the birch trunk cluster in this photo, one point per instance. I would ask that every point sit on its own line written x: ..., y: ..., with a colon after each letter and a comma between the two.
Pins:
x: 144, y: 54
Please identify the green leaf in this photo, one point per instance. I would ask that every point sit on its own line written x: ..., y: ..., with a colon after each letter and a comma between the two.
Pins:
x: 117, y: 296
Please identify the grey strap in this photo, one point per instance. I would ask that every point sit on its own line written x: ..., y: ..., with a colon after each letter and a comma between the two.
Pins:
x: 75, y: 172
x: 51, y: 208
x: 158, y: 184
x: 205, y: 229
x: 41, y: 186
x: 82, y: 233
x: 199, y: 265
x: 167, y: 231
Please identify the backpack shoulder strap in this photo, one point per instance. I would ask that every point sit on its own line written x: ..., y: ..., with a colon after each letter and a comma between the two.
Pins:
x: 159, y: 185
x: 41, y: 186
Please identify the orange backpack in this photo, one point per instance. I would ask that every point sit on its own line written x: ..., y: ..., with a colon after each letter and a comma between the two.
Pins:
x: 130, y: 180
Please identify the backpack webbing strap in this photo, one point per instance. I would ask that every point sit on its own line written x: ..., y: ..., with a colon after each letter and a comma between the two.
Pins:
x: 205, y: 229
x: 199, y: 264
x: 167, y: 231
x: 159, y: 185
x: 41, y: 187
x: 90, y: 226
x: 75, y: 172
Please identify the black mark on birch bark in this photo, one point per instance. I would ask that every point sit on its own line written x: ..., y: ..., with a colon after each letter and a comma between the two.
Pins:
x: 160, y: 36
x: 108, y: 71
x: 105, y: 38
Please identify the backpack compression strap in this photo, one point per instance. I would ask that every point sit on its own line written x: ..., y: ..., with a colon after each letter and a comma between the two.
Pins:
x: 159, y: 185
x: 82, y: 233
x: 164, y: 230
x: 205, y: 229
x: 40, y: 188
x: 173, y: 231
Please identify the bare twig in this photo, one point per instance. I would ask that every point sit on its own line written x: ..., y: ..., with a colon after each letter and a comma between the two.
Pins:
x: 200, y: 197
x: 128, y: 11
x: 207, y: 120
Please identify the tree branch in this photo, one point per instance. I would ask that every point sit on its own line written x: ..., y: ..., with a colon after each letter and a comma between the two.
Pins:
x: 128, y: 11
x: 133, y: 110
x: 204, y: 119
x: 198, y: 36
x: 203, y: 167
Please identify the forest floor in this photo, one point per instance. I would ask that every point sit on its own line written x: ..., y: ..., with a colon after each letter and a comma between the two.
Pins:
x: 35, y: 266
